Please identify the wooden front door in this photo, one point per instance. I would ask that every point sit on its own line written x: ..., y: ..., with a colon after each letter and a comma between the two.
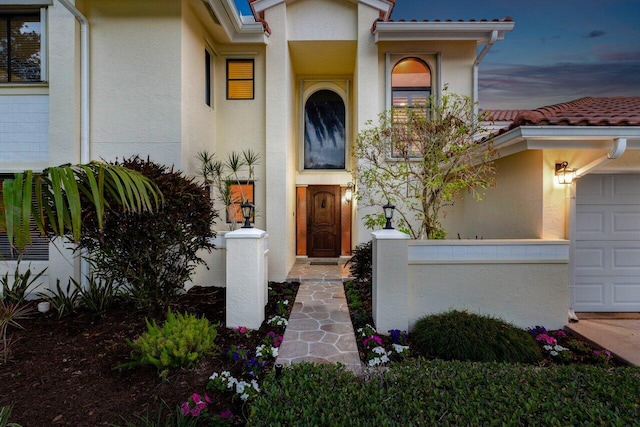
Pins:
x: 323, y: 221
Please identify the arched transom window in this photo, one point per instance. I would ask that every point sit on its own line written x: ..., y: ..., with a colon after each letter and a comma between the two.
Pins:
x: 410, y: 83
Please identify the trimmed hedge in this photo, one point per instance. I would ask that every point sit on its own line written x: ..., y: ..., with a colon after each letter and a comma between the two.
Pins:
x: 434, y: 392
x: 460, y: 335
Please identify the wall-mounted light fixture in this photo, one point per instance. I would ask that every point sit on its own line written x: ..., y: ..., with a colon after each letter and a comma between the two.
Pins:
x: 348, y: 194
x: 564, y: 174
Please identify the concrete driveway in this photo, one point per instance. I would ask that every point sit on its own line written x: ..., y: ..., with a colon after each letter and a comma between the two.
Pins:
x: 619, y: 335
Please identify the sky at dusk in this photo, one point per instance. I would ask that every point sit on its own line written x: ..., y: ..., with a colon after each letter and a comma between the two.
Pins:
x: 559, y: 50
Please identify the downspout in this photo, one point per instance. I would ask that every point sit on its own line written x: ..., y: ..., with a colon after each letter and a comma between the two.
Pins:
x: 476, y: 63
x: 619, y: 147
x: 85, y: 153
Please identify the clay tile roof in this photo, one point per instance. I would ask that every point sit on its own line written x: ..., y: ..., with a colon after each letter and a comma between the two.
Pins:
x: 584, y: 112
x: 502, y: 115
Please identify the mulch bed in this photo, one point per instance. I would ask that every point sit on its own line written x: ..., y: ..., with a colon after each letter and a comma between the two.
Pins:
x: 61, y: 372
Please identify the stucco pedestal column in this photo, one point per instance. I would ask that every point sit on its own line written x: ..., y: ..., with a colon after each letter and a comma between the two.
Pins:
x: 246, y: 277
x: 390, y: 273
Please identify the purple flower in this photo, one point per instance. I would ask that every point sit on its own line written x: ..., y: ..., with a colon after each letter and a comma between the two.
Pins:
x: 226, y: 414
x: 537, y: 330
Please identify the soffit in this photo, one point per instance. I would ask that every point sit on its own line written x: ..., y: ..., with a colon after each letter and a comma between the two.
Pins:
x: 323, y: 57
x: 480, y: 31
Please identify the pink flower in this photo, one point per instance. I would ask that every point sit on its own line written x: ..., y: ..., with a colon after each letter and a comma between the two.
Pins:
x: 226, y: 414
x: 607, y: 352
x: 546, y: 338
x: 185, y: 408
x: 561, y: 333
x: 371, y: 338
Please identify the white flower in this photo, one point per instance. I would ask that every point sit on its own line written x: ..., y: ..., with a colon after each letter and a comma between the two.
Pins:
x: 379, y: 350
x: 254, y: 383
x: 274, y: 351
x: 244, y: 396
x: 547, y: 347
x: 400, y: 348
x: 285, y: 302
x: 213, y: 376
x: 553, y: 353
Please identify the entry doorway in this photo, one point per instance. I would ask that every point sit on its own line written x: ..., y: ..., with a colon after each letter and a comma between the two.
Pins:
x: 323, y: 226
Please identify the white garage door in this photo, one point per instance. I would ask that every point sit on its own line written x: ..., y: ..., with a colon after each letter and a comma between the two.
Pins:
x: 607, y: 259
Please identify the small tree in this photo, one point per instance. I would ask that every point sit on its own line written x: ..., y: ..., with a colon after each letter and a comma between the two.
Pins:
x: 420, y: 159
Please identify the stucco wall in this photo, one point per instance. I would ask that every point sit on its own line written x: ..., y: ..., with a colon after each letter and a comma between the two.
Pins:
x: 525, y: 282
x: 136, y: 79
x: 321, y: 20
x: 511, y: 210
x: 198, y: 129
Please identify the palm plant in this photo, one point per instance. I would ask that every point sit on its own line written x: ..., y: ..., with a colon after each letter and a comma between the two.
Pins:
x: 221, y: 174
x: 52, y: 198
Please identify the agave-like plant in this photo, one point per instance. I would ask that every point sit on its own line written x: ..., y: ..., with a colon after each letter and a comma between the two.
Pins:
x: 53, y: 197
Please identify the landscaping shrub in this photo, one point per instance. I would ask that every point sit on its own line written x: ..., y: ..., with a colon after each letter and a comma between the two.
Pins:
x: 63, y: 301
x: 361, y: 267
x: 179, y: 342
x: 424, y: 392
x: 460, y: 335
x: 10, y: 314
x: 153, y: 254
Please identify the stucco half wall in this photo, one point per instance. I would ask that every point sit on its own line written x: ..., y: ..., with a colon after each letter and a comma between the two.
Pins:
x: 525, y: 282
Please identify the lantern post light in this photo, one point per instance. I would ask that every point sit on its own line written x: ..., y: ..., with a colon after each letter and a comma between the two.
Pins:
x: 247, y: 213
x: 388, y: 214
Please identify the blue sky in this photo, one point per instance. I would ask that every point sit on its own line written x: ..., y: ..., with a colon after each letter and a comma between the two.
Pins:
x: 559, y: 50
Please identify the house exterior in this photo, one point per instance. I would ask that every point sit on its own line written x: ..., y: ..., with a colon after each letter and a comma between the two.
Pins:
x: 296, y: 82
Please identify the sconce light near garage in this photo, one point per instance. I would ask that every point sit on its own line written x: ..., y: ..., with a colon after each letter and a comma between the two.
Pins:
x: 247, y: 213
x: 388, y: 214
x: 348, y: 194
x: 565, y: 174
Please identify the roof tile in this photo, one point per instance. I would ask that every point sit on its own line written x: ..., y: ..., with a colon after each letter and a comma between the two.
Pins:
x: 586, y: 111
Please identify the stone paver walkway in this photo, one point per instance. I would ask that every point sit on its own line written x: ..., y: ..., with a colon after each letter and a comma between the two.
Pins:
x: 320, y: 328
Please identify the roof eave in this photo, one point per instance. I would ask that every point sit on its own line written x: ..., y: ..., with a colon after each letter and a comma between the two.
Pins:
x: 424, y: 31
x: 231, y: 21
x: 564, y: 137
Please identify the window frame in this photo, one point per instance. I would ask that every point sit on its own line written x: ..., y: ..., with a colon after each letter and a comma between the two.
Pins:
x: 252, y: 79
x: 25, y: 10
x: 433, y: 62
x: 208, y: 74
x: 309, y: 87
x: 236, y: 187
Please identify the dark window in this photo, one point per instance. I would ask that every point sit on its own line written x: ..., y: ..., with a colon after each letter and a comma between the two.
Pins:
x: 20, y: 49
x: 207, y: 77
x: 37, y: 251
x: 239, y: 78
x: 324, y: 131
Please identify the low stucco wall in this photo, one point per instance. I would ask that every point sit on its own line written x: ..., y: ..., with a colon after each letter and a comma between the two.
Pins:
x: 525, y: 282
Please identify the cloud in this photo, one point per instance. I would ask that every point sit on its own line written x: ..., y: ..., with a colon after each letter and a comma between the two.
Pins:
x: 594, y: 34
x: 522, y: 86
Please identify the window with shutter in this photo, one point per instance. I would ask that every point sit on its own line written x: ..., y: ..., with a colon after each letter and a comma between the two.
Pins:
x: 240, y: 79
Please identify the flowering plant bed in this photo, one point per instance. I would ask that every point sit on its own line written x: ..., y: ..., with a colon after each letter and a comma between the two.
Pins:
x: 380, y: 347
x: 61, y: 371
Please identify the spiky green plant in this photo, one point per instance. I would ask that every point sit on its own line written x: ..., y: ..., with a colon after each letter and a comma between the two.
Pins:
x: 58, y: 191
x: 10, y: 314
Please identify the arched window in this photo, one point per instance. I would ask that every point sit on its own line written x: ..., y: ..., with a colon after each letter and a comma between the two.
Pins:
x: 324, y: 131
x: 410, y: 83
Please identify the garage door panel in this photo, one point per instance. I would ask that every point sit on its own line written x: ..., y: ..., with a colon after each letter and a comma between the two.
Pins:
x: 607, y: 243
x: 591, y: 223
x: 626, y: 293
x: 626, y: 224
x: 625, y: 189
x: 627, y: 258
x: 602, y: 293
